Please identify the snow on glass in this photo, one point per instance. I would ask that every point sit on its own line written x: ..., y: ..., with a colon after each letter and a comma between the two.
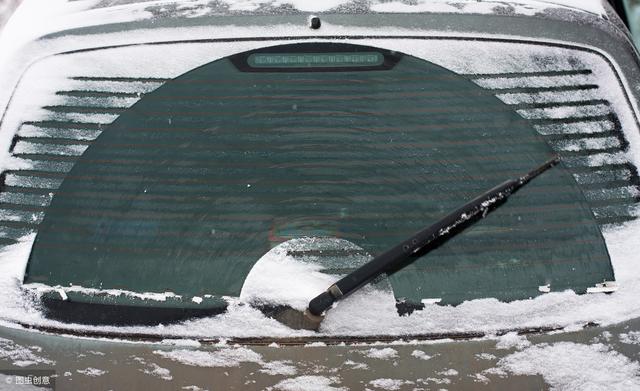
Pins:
x: 379, y: 314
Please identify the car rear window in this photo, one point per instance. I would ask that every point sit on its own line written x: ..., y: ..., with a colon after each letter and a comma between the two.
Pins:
x: 190, y: 186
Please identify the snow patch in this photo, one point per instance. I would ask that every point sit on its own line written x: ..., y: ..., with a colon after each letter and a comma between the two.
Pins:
x: 284, y: 368
x: 155, y: 296
x: 434, y: 380
x: 101, y: 13
x: 381, y: 354
x: 157, y: 371
x: 181, y: 342
x: 512, y: 340
x: 21, y: 356
x: 302, y: 5
x: 449, y: 372
x: 309, y: 383
x: 315, y: 344
x: 494, y: 372
x: 91, y: 372
x: 522, y: 7
x: 278, y: 278
x: 485, y: 356
x: 573, y: 366
x: 356, y: 365
x: 421, y: 355
x: 480, y: 378
x: 215, y: 359
x: 389, y: 384
x: 228, y: 357
x: 631, y: 338
x: 154, y: 369
x: 578, y: 111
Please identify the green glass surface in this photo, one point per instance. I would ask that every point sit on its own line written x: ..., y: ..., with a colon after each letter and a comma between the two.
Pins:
x: 187, y: 189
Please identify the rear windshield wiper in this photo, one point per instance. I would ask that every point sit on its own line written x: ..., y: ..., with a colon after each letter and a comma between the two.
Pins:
x: 409, y: 250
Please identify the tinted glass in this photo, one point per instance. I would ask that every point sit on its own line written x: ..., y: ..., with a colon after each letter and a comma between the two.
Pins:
x: 186, y: 190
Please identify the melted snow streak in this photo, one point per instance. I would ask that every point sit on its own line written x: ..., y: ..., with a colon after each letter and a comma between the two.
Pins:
x: 573, y: 99
x: 572, y: 366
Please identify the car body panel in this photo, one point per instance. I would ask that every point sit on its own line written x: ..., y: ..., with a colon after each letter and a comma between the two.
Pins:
x: 127, y: 360
x: 477, y: 364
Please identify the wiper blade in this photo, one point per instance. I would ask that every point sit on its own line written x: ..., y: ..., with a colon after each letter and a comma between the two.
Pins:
x: 413, y: 248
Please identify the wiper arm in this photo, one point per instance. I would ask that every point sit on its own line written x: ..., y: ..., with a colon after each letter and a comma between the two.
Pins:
x: 413, y: 248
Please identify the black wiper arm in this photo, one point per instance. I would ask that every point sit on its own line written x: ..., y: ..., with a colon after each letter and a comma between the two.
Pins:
x: 424, y: 241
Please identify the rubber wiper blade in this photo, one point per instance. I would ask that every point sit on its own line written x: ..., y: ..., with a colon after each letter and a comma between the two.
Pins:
x: 415, y: 247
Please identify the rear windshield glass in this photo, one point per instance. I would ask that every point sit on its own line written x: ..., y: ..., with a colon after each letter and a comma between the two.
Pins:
x: 188, y: 188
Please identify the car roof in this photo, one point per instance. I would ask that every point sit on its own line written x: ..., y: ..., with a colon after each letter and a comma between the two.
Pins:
x: 587, y: 5
x: 343, y: 6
